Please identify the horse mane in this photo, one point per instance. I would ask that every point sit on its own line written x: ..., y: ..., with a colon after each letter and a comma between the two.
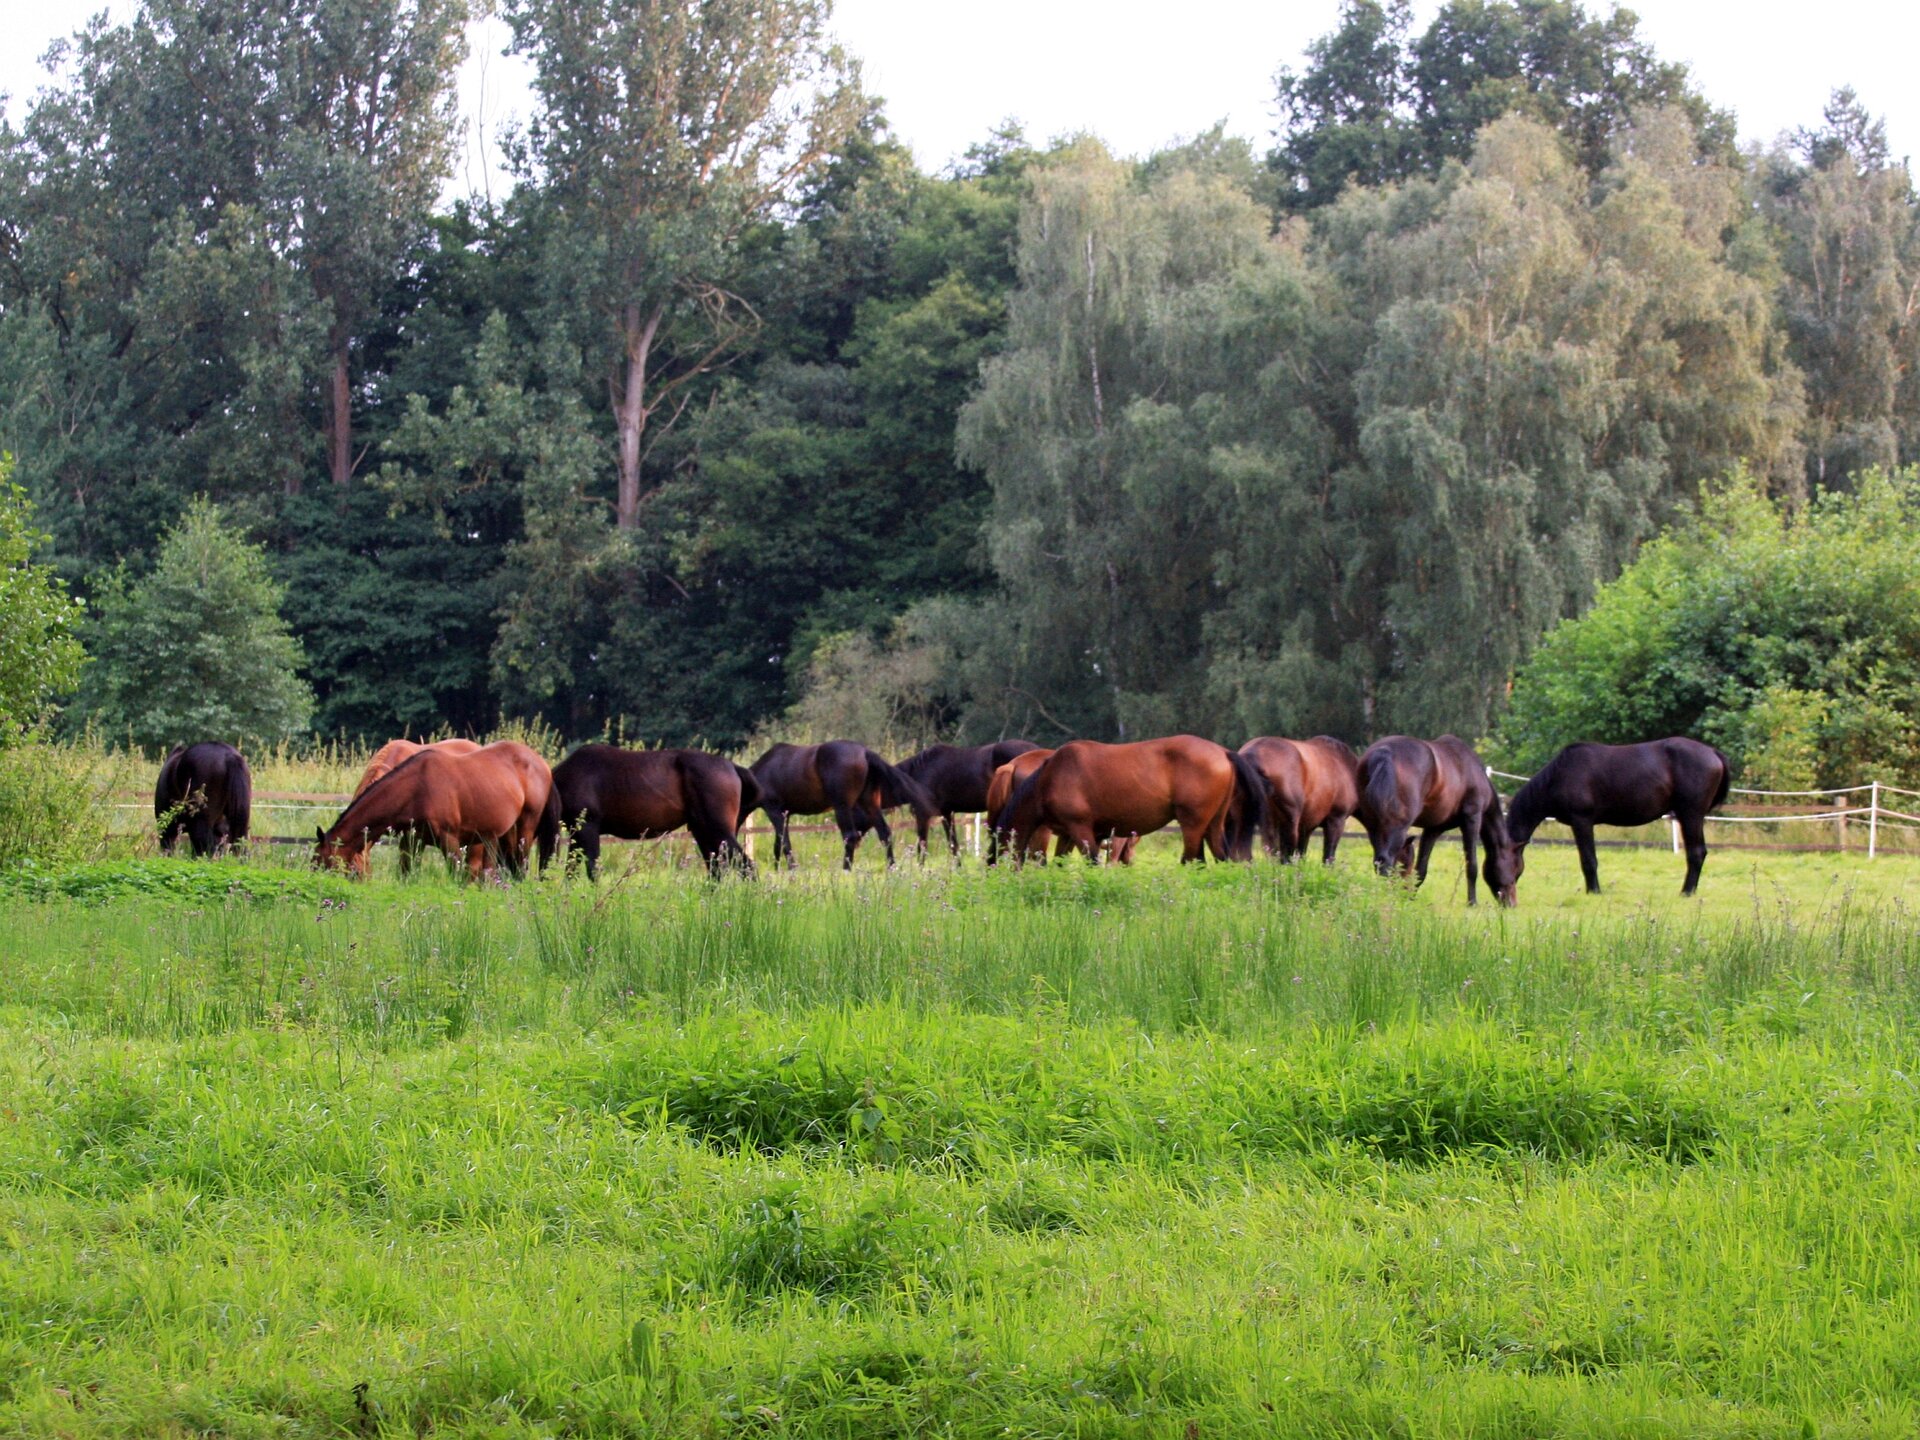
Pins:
x: 1529, y: 805
x: 365, y: 797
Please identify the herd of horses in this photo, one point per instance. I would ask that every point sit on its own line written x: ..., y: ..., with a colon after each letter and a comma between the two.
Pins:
x: 500, y: 806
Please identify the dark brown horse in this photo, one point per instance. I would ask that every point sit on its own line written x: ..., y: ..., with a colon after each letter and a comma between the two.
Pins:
x: 841, y: 776
x: 1439, y: 785
x: 1587, y: 785
x: 499, y: 801
x: 206, y: 790
x: 957, y: 778
x: 1313, y: 785
x: 1089, y: 792
x: 393, y: 753
x: 644, y: 794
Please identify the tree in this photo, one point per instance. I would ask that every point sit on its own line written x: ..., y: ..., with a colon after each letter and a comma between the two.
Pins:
x: 1374, y: 104
x: 195, y: 649
x: 1789, y: 638
x: 665, y: 131
x: 40, y: 653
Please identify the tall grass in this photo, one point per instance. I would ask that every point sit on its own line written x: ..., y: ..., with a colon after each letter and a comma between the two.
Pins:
x: 1074, y: 1152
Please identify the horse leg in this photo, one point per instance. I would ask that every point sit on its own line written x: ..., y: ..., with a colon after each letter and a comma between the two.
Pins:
x: 1469, y: 830
x: 885, y: 832
x: 1693, y: 832
x: 782, y: 845
x: 1195, y: 839
x: 1428, y: 839
x: 953, y: 835
x: 1330, y: 836
x: 1589, y: 855
x: 850, y: 832
x: 1078, y: 836
x: 587, y: 837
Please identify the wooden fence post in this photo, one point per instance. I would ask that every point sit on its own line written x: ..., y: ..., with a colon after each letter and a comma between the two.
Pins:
x: 1873, y: 819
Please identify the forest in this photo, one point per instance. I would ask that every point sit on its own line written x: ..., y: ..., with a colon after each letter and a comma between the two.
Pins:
x: 726, y: 419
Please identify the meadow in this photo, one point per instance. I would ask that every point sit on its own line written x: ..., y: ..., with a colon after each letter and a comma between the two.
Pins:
x: 1241, y: 1150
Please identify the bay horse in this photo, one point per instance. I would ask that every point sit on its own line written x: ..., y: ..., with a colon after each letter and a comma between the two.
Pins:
x: 390, y: 755
x: 206, y: 790
x: 496, y: 802
x: 1314, y: 786
x: 842, y: 776
x: 1089, y: 792
x: 957, y: 778
x: 1439, y: 785
x: 644, y: 794
x: 1588, y: 784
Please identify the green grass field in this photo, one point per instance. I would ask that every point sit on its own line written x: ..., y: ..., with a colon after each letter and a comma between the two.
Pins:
x: 1055, y: 1152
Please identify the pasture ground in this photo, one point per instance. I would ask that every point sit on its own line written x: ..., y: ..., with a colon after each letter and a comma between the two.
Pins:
x: 1062, y: 1152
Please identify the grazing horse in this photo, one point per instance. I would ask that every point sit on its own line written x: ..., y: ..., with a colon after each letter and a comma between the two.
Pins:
x: 1439, y: 785
x: 1587, y: 785
x: 1313, y: 787
x: 1088, y: 792
x: 206, y: 790
x: 958, y: 776
x: 390, y: 755
x: 499, y: 801
x: 643, y: 794
x: 844, y: 777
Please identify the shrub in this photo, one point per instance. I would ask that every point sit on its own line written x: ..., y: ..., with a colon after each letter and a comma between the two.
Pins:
x: 52, y: 807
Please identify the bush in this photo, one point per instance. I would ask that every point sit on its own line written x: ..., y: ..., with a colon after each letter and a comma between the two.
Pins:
x: 38, y: 652
x: 52, y: 807
x: 1789, y: 639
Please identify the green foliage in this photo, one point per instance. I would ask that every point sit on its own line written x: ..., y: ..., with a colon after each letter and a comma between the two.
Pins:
x: 52, y: 812
x: 196, y: 648
x: 170, y: 880
x: 40, y: 653
x: 1790, y: 638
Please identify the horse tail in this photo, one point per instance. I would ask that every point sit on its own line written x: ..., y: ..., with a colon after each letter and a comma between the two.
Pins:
x: 239, y: 800
x: 1022, y: 792
x: 899, y: 788
x: 1726, y: 779
x: 1382, y: 783
x: 546, y: 834
x: 1255, y: 809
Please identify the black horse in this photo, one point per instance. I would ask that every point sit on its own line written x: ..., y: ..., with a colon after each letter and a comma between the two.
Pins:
x: 1439, y: 785
x: 844, y: 777
x: 1587, y: 785
x: 644, y: 794
x: 957, y: 777
x: 206, y: 790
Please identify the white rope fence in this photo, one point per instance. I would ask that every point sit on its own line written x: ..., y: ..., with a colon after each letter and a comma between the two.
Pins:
x: 1839, y: 811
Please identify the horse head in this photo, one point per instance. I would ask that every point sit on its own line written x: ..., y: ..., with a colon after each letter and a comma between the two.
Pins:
x: 1504, y: 863
x: 329, y: 852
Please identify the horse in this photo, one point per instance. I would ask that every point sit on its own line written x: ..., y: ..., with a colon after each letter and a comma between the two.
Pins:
x: 958, y: 776
x: 999, y: 791
x: 206, y: 790
x: 1439, y: 785
x: 1588, y: 784
x: 1088, y: 792
x: 844, y: 777
x: 390, y: 755
x: 499, y: 801
x: 644, y: 794
x: 1313, y: 787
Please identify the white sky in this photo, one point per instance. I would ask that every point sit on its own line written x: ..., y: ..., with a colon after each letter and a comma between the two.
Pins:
x: 949, y: 71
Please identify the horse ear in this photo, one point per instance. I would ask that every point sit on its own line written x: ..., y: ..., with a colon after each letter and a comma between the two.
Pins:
x: 319, y: 835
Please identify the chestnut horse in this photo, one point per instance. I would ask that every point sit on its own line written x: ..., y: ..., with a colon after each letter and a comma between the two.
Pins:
x: 1314, y: 787
x: 999, y: 791
x: 1439, y: 785
x: 390, y: 755
x: 957, y: 778
x: 206, y: 790
x: 499, y: 800
x: 844, y: 777
x: 1088, y: 792
x: 1587, y: 785
x: 644, y: 794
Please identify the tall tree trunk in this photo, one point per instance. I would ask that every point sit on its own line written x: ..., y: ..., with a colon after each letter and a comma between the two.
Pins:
x: 630, y: 411
x: 340, y: 418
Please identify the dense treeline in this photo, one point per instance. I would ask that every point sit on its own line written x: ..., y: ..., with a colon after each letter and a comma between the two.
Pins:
x: 726, y: 406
